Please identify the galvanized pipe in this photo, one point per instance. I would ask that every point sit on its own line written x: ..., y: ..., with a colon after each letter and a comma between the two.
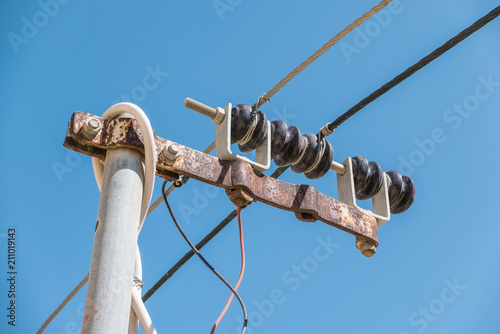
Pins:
x: 107, y: 306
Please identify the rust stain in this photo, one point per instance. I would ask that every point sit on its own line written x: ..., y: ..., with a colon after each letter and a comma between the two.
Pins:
x: 242, y: 182
x: 91, y: 314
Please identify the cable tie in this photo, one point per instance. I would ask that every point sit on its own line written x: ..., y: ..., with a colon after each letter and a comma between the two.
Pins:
x: 249, y: 132
x: 302, y: 153
x: 180, y: 181
x: 325, y: 131
x: 319, y: 155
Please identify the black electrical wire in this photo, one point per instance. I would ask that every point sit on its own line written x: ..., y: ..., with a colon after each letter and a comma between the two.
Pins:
x: 209, y: 266
x: 414, y: 68
x: 341, y: 119
x: 336, y: 123
x: 189, y: 255
x: 277, y: 173
x: 333, y: 125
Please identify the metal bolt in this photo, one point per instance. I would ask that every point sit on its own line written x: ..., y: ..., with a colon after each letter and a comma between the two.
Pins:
x: 170, y: 151
x: 91, y: 127
x: 174, y: 149
x: 367, y: 247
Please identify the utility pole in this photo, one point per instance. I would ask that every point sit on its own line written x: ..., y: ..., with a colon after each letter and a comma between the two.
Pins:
x: 107, y: 306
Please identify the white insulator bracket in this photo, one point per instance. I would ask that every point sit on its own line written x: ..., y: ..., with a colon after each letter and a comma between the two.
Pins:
x: 223, y: 144
x: 222, y: 117
x: 380, y: 201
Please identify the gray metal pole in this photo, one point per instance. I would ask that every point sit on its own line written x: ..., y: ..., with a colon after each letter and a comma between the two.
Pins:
x: 107, y: 307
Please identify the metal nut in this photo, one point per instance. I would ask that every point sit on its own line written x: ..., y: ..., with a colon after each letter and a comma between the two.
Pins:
x: 219, y: 115
x: 367, y: 247
x: 170, y: 151
x: 239, y: 197
x: 91, y: 127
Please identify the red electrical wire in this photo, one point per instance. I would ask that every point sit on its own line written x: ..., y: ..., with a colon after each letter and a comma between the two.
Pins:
x: 242, y: 271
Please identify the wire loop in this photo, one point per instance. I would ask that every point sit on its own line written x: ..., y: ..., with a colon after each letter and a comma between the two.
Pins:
x: 138, y: 282
x: 260, y: 101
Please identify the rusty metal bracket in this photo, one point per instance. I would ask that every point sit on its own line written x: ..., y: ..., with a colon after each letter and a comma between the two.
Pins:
x: 239, y: 179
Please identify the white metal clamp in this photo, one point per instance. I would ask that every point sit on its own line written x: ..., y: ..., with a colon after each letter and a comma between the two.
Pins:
x: 222, y: 117
x: 347, y: 194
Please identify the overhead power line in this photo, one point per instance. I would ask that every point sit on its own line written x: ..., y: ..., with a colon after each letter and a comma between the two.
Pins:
x: 330, y: 127
x: 209, y: 266
x: 448, y: 45
x: 277, y: 173
x: 63, y: 304
x: 242, y: 270
x: 267, y: 96
x: 231, y: 216
x: 327, y: 129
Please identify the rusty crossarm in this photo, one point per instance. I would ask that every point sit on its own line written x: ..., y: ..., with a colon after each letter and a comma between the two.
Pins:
x: 306, y: 201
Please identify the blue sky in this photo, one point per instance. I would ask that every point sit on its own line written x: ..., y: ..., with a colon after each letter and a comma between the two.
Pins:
x: 435, y: 270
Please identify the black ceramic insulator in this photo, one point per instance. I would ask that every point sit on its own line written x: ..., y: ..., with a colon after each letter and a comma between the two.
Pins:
x: 258, y: 135
x: 292, y: 147
x: 288, y: 145
x: 278, y: 137
x: 309, y: 156
x: 401, y: 192
x: 242, y: 117
x: 324, y: 164
x: 368, y: 177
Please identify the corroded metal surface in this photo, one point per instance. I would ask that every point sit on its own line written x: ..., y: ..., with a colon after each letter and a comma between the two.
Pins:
x: 239, y: 196
x: 236, y: 176
x: 302, y: 198
x: 119, y: 132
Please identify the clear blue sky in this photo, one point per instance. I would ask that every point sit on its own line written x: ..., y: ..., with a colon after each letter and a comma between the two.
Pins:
x: 436, y: 268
